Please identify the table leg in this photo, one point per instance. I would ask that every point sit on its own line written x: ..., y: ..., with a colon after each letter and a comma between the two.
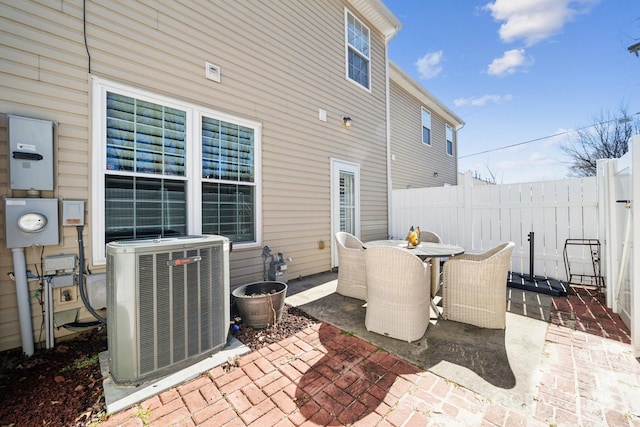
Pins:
x: 435, y: 283
x: 435, y: 276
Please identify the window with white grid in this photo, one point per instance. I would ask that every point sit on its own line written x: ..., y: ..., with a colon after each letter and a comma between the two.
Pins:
x: 358, y: 51
x: 169, y: 168
x: 426, y: 126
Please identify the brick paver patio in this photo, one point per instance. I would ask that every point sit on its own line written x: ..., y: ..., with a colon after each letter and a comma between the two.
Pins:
x: 323, y: 376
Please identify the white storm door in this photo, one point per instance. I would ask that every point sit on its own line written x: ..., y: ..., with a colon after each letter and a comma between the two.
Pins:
x: 345, y: 201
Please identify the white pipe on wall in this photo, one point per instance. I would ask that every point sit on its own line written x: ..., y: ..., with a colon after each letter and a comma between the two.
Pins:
x: 48, y: 314
x: 22, y: 295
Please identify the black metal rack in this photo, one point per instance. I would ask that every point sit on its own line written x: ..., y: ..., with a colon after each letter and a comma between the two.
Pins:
x: 587, y: 281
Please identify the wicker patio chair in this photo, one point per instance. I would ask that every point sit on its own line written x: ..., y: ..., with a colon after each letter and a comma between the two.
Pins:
x: 398, y: 293
x: 352, y: 279
x: 430, y: 236
x: 474, y: 287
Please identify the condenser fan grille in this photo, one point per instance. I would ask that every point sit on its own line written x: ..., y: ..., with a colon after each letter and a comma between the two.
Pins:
x: 178, y: 307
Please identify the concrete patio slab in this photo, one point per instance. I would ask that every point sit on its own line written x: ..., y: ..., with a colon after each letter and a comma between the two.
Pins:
x: 118, y: 397
x: 502, y: 365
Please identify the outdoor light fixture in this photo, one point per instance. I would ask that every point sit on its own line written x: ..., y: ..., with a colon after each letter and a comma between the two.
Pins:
x: 435, y: 174
x: 346, y: 120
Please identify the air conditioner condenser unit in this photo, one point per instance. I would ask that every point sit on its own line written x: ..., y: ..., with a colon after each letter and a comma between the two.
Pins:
x: 168, y: 304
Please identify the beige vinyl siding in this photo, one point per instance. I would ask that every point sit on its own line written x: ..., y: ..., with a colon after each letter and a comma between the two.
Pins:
x: 280, y: 63
x: 416, y: 162
x: 42, y: 78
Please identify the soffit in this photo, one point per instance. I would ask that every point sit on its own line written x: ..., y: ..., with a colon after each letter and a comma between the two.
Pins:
x: 377, y: 14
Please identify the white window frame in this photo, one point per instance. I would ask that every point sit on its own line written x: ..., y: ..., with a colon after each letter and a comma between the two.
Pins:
x: 193, y: 166
x: 348, y: 46
x: 425, y: 125
x: 449, y: 139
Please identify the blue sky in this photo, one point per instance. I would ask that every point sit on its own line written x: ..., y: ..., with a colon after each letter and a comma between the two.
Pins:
x: 521, y: 70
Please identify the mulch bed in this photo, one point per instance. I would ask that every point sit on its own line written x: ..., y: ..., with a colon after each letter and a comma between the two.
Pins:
x: 61, y: 386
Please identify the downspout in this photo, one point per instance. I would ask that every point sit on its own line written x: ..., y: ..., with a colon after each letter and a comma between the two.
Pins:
x: 387, y: 39
x: 458, y: 129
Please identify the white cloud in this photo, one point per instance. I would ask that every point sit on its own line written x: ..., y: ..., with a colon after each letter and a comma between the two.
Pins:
x: 429, y: 65
x: 482, y: 101
x: 509, y: 164
x: 522, y: 163
x: 516, y: 149
x: 516, y: 170
x: 535, y: 20
x: 531, y: 165
x: 508, y: 63
x: 537, y: 156
x: 561, y: 136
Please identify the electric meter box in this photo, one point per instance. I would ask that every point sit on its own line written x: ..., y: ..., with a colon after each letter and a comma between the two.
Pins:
x: 30, y: 153
x: 30, y: 222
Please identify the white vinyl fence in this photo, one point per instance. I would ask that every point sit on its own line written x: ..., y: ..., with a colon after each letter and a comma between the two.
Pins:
x: 479, y: 217
x: 617, y: 194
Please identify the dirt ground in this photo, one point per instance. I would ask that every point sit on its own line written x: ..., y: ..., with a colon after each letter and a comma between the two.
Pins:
x: 63, y: 386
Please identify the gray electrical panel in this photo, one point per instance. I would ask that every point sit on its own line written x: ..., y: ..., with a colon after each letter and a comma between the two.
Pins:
x: 31, y: 222
x: 30, y: 153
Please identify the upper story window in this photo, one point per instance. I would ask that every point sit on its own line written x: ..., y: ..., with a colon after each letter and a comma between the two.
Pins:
x: 166, y: 168
x: 358, y: 51
x: 426, y: 126
x: 449, y: 140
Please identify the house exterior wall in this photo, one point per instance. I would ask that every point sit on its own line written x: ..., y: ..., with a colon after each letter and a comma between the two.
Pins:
x: 415, y: 164
x: 280, y: 63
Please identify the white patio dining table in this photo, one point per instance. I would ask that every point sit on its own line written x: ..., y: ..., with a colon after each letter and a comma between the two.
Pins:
x: 424, y: 250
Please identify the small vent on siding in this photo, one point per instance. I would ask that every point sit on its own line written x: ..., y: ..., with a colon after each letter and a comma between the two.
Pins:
x: 212, y: 72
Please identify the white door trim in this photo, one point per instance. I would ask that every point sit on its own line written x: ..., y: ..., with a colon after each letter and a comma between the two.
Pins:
x: 337, y: 167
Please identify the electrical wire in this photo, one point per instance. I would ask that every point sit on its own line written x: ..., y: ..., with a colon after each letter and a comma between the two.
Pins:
x: 81, y: 281
x: 84, y: 29
x: 73, y: 326
x: 546, y: 137
x: 39, y: 294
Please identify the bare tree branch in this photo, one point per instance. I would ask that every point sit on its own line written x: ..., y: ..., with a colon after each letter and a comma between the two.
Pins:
x: 607, y: 138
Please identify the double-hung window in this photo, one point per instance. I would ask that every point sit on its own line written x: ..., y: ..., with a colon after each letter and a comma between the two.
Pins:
x: 449, y: 140
x: 228, y: 180
x: 358, y: 51
x: 426, y: 126
x: 167, y: 168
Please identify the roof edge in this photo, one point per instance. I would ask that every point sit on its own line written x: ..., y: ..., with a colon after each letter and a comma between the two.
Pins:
x: 399, y: 76
x: 379, y: 15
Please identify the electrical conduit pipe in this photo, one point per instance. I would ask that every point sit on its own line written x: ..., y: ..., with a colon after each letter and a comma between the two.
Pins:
x: 22, y: 295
